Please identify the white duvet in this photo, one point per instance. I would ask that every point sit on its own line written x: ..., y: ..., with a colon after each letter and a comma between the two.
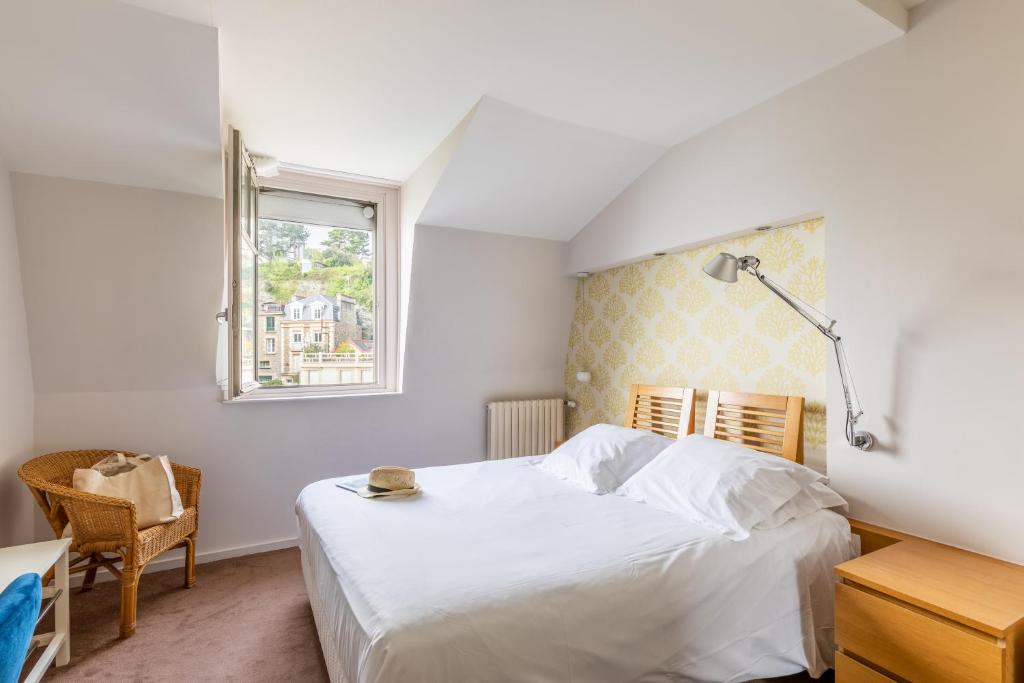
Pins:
x: 500, y: 572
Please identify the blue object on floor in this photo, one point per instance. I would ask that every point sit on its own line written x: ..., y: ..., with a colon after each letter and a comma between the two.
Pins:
x: 19, y: 609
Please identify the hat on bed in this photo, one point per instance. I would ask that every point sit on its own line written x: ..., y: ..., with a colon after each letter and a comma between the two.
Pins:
x: 390, y: 481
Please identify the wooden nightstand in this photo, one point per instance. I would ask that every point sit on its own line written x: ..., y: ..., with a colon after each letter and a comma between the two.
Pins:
x: 921, y: 611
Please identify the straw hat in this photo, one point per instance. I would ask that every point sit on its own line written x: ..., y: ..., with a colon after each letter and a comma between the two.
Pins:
x: 390, y: 481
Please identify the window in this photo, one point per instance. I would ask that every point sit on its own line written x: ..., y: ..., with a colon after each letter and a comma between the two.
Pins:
x: 264, y: 365
x: 325, y: 251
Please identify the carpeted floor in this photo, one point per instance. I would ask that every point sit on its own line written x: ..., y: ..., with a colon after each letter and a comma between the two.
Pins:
x: 247, y: 619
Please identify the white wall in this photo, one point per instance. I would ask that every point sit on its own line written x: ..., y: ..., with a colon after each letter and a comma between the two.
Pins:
x: 122, y: 286
x: 416, y: 191
x: 16, y: 388
x: 915, y: 154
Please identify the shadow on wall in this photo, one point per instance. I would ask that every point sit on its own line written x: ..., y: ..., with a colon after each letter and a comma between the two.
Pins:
x: 959, y: 321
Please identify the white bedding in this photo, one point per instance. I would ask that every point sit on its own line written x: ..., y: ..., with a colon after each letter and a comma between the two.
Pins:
x: 500, y: 572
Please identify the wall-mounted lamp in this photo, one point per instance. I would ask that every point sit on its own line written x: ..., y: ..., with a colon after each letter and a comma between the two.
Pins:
x: 725, y: 267
x: 583, y: 377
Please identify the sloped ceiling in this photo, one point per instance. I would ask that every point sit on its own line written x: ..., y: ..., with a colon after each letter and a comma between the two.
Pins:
x: 516, y: 172
x: 100, y: 90
x: 584, y: 92
x: 373, y: 87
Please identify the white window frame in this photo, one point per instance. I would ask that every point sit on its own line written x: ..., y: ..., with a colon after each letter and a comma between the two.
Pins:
x: 270, y: 345
x: 385, y: 198
x: 318, y: 312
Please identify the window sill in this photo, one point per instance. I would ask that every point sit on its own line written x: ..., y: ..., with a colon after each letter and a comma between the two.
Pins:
x: 278, y: 396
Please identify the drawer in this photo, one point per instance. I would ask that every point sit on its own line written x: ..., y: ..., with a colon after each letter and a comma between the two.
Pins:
x: 851, y: 671
x: 912, y: 644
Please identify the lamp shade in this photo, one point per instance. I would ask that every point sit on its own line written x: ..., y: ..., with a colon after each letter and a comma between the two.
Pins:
x: 723, y: 267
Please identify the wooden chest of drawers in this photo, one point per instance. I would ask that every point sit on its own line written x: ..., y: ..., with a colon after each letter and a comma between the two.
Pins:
x: 920, y: 611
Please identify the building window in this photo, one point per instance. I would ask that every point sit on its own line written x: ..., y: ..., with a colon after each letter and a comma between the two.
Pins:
x: 265, y: 378
x: 264, y: 365
x: 314, y: 242
x: 270, y: 345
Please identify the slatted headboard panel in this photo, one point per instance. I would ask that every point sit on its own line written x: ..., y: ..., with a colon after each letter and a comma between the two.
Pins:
x: 667, y: 411
x: 770, y: 424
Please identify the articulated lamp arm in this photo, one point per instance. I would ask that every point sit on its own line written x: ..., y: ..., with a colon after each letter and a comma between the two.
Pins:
x: 725, y: 266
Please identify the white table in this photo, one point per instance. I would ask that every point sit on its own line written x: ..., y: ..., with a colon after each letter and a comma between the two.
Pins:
x: 39, y: 558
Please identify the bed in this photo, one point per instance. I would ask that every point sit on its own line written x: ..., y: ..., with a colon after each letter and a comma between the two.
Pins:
x: 499, y: 572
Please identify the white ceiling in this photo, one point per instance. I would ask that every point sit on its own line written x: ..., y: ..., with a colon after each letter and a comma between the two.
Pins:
x: 580, y: 95
x: 104, y: 91
x: 373, y: 87
x: 516, y: 172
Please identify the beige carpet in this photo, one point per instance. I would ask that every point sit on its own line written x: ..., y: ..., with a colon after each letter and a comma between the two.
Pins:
x: 247, y: 619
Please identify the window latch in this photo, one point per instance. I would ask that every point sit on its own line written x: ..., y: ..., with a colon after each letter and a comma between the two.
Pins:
x: 222, y: 317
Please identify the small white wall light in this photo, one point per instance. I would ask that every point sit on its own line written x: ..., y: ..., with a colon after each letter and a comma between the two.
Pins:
x: 583, y: 377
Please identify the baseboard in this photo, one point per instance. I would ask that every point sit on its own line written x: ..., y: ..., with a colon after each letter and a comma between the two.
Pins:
x: 175, y: 559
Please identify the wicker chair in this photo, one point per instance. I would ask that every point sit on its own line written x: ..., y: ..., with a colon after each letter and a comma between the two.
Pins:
x: 101, y: 524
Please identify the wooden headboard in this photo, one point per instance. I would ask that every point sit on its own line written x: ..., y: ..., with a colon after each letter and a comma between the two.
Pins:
x: 770, y: 424
x: 667, y: 411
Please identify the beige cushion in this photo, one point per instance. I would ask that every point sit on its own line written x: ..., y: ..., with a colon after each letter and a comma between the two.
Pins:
x: 147, y: 481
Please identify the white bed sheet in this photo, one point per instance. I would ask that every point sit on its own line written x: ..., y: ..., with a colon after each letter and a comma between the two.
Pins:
x: 500, y: 572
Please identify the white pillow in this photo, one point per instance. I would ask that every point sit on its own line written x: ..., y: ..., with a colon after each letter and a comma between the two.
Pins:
x: 816, y: 496
x: 718, y: 484
x: 601, y: 457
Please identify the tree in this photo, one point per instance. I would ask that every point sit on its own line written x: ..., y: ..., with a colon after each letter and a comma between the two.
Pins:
x: 280, y: 279
x: 281, y: 239
x: 355, y: 280
x: 344, y: 246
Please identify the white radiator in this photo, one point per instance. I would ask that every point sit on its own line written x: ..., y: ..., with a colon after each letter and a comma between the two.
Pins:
x: 516, y: 428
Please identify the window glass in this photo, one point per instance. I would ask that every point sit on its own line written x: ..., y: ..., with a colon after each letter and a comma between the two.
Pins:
x: 316, y: 261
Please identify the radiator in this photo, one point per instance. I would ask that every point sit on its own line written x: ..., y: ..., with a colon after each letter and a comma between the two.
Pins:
x: 516, y: 428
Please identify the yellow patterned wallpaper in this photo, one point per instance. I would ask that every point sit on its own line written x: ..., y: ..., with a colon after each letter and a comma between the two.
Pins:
x: 663, y: 321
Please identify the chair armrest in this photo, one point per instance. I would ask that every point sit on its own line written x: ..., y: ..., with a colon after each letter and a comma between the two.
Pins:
x: 187, y: 480
x: 100, y: 523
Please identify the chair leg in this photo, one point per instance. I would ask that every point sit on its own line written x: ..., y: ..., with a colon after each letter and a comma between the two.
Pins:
x: 129, y: 597
x: 190, y: 561
x: 90, y: 575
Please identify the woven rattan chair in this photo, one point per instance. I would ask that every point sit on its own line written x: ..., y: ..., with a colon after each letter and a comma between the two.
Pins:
x: 101, y: 524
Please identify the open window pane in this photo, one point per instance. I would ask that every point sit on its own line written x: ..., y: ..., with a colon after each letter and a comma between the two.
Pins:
x: 243, y: 211
x: 247, y: 313
x: 316, y: 290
